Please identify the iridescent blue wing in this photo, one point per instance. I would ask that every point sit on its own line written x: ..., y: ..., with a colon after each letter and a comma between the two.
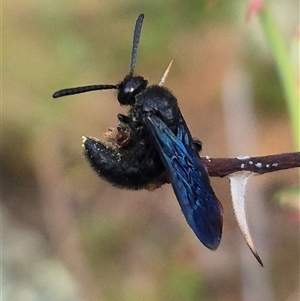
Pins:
x: 189, y: 179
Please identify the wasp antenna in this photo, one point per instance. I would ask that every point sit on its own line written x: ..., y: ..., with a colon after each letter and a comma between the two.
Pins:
x: 136, y: 40
x: 164, y: 77
x: 77, y: 90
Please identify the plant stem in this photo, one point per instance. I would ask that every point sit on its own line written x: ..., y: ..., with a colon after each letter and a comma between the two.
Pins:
x: 286, y: 72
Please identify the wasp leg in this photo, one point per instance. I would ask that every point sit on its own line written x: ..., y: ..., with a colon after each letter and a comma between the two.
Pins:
x: 124, y: 119
x: 198, y: 145
x: 122, y: 128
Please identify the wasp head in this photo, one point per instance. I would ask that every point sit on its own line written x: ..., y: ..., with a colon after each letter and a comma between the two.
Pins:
x: 129, y: 88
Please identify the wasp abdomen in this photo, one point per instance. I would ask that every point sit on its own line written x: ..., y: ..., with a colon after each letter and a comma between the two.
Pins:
x: 128, y: 168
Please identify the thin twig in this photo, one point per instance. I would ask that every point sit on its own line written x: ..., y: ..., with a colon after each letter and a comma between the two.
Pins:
x: 220, y: 167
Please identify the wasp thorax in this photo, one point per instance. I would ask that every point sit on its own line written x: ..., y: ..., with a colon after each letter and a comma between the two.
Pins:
x: 129, y: 88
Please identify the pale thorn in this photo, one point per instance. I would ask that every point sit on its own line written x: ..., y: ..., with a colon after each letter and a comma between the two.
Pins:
x: 238, y: 182
x: 163, y: 79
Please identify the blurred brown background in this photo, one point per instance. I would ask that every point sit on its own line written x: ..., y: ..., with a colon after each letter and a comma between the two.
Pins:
x: 68, y: 235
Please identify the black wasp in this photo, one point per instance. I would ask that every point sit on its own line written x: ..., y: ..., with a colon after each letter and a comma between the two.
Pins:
x: 151, y: 146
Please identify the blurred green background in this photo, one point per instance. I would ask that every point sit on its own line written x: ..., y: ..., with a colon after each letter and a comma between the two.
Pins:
x: 68, y: 235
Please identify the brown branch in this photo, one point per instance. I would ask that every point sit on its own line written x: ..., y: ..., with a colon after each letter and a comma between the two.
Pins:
x: 220, y: 167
